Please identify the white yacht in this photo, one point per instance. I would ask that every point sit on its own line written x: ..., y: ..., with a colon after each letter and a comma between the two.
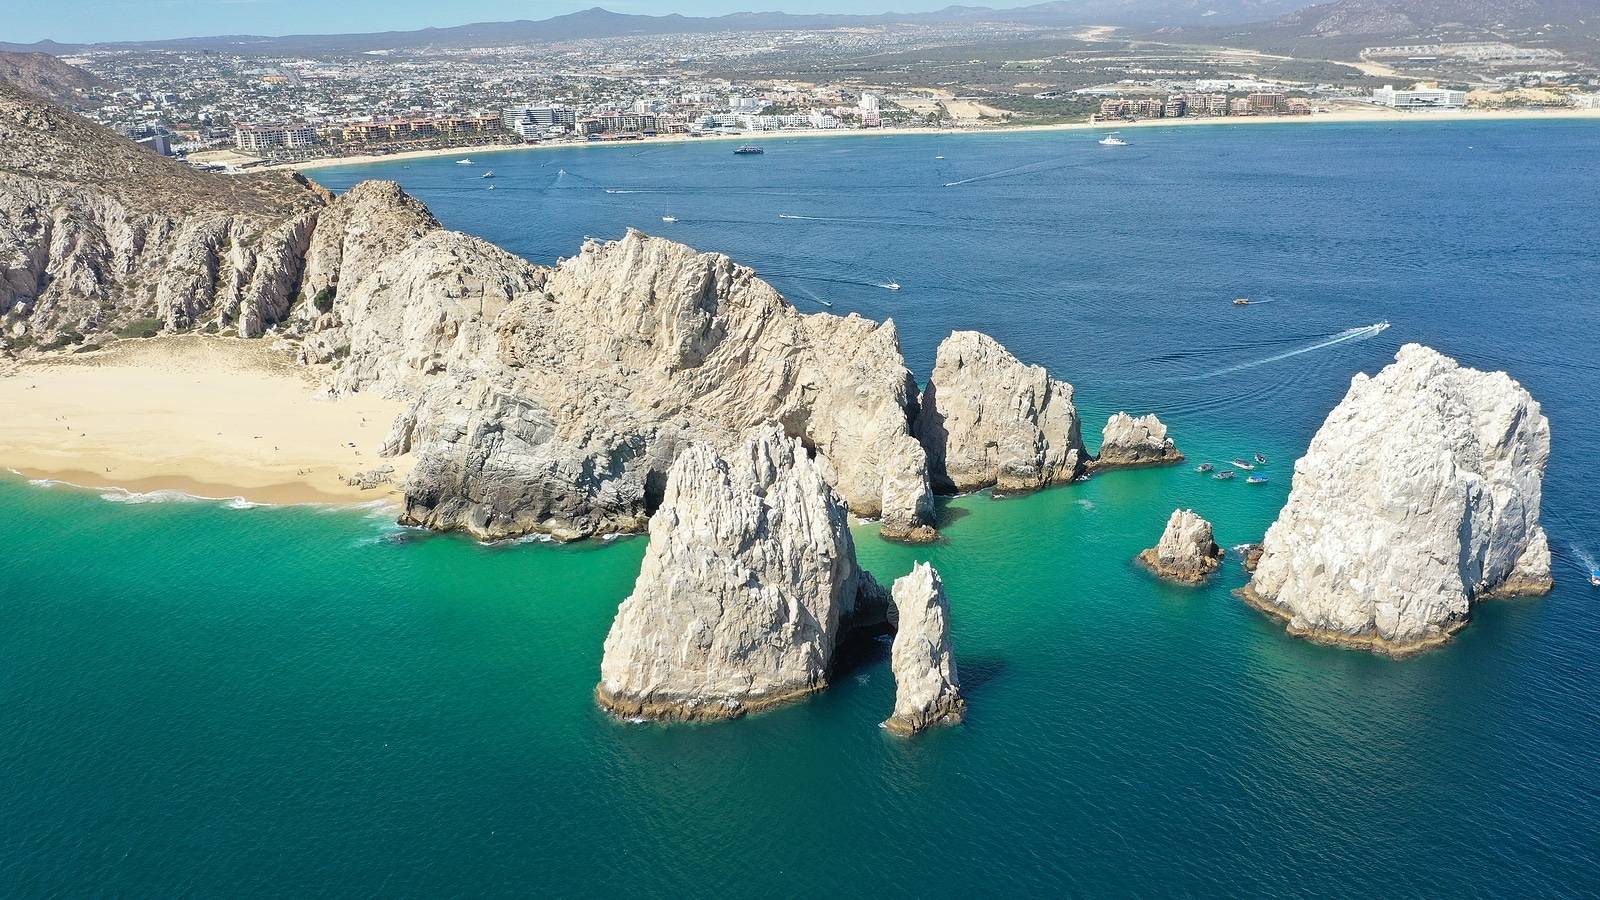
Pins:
x: 464, y: 162
x: 1111, y: 140
x: 669, y: 219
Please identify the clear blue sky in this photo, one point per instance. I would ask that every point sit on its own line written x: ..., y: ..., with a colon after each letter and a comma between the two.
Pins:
x: 25, y: 21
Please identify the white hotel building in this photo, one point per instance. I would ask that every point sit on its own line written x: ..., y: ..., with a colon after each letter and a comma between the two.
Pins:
x: 1420, y: 97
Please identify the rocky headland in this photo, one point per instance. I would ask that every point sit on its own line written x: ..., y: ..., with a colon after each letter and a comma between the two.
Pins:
x: 927, y: 689
x: 1129, y: 442
x: 1418, y: 497
x: 749, y: 580
x: 1187, y: 552
x: 537, y: 399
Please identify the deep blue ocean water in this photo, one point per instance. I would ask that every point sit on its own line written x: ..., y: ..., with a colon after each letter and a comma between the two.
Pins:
x: 203, y: 700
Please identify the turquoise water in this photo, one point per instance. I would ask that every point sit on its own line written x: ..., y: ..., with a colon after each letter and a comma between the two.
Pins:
x: 204, y: 700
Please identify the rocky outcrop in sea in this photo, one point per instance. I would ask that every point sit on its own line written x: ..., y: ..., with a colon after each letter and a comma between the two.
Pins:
x: 1419, y: 496
x: 749, y: 579
x: 1187, y: 552
x: 927, y: 689
x: 1128, y: 442
x: 988, y: 419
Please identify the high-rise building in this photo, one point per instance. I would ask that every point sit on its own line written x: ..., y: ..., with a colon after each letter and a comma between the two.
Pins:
x: 1266, y: 102
x: 1422, y: 96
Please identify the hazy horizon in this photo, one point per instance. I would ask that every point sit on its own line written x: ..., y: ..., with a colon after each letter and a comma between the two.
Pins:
x: 86, y: 21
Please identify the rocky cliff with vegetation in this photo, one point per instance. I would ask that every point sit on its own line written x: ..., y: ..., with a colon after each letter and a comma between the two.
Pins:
x: 1418, y: 497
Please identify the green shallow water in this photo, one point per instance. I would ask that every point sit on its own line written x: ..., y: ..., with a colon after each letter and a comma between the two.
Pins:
x: 206, y: 700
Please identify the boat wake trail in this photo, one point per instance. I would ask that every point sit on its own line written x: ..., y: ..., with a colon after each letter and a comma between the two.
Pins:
x: 1584, y: 558
x: 1333, y: 340
x: 826, y: 279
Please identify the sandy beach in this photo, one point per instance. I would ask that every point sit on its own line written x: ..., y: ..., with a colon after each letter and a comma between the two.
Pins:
x: 206, y: 416
x: 1363, y: 113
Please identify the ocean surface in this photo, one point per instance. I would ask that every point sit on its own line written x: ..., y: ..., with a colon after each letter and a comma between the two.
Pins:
x: 199, y: 699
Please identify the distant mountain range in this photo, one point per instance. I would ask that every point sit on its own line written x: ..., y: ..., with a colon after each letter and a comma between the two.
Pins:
x: 602, y: 23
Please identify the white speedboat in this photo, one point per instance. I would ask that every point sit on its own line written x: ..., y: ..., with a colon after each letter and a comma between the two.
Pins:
x: 1111, y: 140
x: 464, y: 162
x: 892, y: 286
x: 488, y: 174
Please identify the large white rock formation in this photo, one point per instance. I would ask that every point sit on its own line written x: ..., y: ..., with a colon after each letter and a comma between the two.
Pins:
x: 749, y: 579
x: 988, y: 419
x: 927, y: 689
x: 1418, y: 496
x: 1128, y: 441
x: 1187, y: 551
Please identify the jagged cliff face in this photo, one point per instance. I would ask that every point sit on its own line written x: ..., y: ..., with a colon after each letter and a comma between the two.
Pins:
x: 988, y: 419
x: 748, y: 580
x: 1419, y: 495
x: 97, y: 233
x: 600, y: 371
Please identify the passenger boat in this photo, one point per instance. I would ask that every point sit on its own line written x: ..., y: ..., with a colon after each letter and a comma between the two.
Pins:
x: 1223, y: 476
x: 1204, y: 467
x: 1256, y: 479
x: 669, y: 218
x: 1111, y: 140
x: 748, y: 150
x: 1241, y: 464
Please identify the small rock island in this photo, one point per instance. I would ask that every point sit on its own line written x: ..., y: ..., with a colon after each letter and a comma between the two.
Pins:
x: 1128, y: 442
x: 1187, y: 552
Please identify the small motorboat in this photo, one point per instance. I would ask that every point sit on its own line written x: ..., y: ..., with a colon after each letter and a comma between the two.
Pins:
x: 939, y: 157
x: 1111, y: 140
x: 669, y: 219
x: 1204, y: 467
x: 488, y: 174
x: 1223, y: 476
x: 464, y: 162
x: 748, y: 150
x: 892, y: 286
x: 491, y: 187
x: 1256, y: 479
x: 1241, y: 301
x: 1241, y: 464
x: 1594, y: 577
x: 1261, y: 460
x: 827, y: 303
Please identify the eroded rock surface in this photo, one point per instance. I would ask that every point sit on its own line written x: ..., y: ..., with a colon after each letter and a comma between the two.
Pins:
x: 987, y: 419
x: 1419, y: 496
x: 927, y: 688
x: 1128, y: 442
x: 749, y: 579
x: 1187, y: 551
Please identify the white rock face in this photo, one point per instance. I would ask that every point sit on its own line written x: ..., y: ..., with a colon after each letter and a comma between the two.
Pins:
x: 1128, y: 442
x: 1418, y: 496
x: 988, y: 419
x: 927, y: 689
x: 1187, y: 551
x: 749, y: 577
x: 600, y: 371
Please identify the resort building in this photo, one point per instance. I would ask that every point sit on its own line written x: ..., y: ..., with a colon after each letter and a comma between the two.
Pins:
x: 273, y: 137
x: 1422, y: 96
